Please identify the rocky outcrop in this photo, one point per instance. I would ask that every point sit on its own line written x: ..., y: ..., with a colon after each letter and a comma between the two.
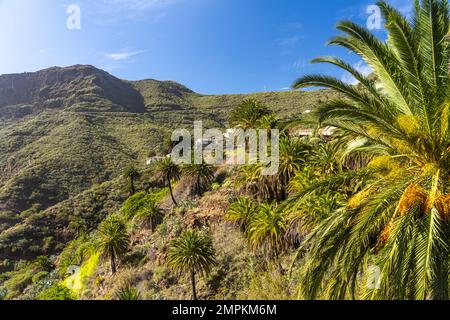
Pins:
x: 79, y: 87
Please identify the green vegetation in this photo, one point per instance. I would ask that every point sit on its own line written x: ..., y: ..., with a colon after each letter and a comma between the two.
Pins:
x: 131, y: 174
x: 149, y: 214
x: 248, y: 114
x: 372, y: 197
x: 193, y: 253
x: 24, y: 275
x: 136, y: 203
x: 80, y: 281
x: 398, y: 221
x: 129, y: 293
x: 202, y: 175
x: 170, y: 172
x: 113, y: 240
x: 72, y: 151
x: 266, y: 231
x: 56, y: 292
x: 242, y: 212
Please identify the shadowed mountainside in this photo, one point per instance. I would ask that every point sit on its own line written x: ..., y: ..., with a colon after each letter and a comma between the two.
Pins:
x: 77, y: 88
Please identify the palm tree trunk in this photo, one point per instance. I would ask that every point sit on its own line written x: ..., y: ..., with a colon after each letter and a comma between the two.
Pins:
x: 171, y: 192
x: 275, y: 194
x: 285, y: 182
x: 277, y: 258
x: 199, y: 191
x: 194, y: 289
x: 113, y: 262
x: 133, y: 191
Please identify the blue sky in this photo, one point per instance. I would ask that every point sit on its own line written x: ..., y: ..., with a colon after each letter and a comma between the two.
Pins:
x: 211, y: 46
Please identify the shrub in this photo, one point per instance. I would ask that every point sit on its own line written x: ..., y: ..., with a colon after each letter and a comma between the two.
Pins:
x: 216, y: 186
x: 56, y: 292
x: 129, y: 293
x: 3, y: 293
x: 134, y: 204
x: 39, y: 276
x: 18, y: 283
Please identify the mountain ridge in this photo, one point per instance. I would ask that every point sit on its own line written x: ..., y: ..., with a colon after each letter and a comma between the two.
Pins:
x: 66, y: 131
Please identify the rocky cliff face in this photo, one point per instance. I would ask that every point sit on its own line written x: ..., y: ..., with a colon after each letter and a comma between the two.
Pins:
x: 78, y: 87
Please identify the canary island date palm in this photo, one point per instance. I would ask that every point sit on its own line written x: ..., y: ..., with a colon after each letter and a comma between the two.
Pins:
x: 242, y: 212
x: 399, y: 223
x: 267, y: 231
x: 113, y: 240
x: 129, y: 293
x: 131, y: 174
x: 269, y: 122
x: 149, y: 214
x: 202, y: 174
x: 170, y: 172
x: 192, y: 253
x: 293, y: 154
x: 248, y: 114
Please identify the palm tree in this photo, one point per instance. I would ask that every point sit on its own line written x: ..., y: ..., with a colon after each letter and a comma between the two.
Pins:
x: 202, y: 174
x: 400, y: 221
x: 267, y: 232
x: 149, y: 214
x: 170, y: 171
x: 269, y: 122
x: 293, y: 155
x: 248, y: 178
x: 255, y: 184
x: 193, y: 252
x: 248, y: 114
x: 307, y: 214
x: 131, y: 174
x: 241, y: 212
x: 129, y: 293
x: 113, y: 240
x: 327, y: 157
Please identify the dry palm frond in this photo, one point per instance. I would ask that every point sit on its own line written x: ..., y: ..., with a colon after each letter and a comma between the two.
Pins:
x: 414, y: 196
x: 443, y: 206
x: 384, y: 236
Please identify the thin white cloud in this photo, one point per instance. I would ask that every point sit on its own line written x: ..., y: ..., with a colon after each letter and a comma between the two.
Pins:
x: 362, y: 67
x: 123, y: 55
x: 141, y: 5
x: 299, y: 64
x: 107, y: 12
x: 289, y: 42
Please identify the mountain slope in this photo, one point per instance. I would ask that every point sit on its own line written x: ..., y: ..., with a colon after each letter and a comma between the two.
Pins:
x: 78, y: 88
x: 66, y: 131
